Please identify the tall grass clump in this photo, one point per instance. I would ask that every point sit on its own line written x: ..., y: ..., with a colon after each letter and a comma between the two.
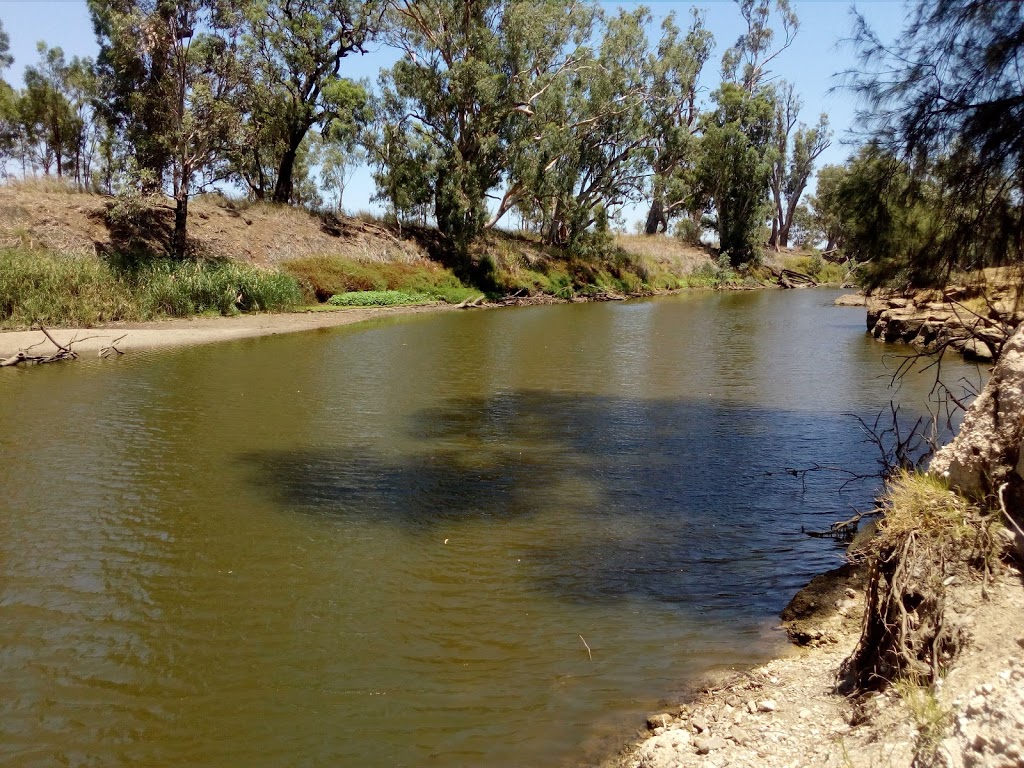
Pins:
x: 179, y: 289
x: 55, y: 289
x: 61, y: 290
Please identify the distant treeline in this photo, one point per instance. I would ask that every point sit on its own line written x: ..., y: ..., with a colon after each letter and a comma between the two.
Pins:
x: 557, y: 111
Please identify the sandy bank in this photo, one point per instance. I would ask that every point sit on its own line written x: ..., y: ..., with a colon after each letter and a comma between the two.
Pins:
x: 199, y: 330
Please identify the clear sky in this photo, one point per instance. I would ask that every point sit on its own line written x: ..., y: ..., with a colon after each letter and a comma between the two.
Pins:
x: 811, y: 63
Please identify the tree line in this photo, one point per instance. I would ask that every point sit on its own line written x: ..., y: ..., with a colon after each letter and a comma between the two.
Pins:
x: 556, y: 111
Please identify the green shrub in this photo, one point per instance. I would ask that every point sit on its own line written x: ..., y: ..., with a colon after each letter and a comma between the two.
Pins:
x: 376, y: 299
x: 322, y: 277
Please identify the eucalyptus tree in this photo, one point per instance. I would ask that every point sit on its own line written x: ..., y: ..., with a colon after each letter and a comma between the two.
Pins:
x: 738, y: 151
x: 736, y: 164
x: 463, y: 95
x: 946, y: 100
x: 825, y: 213
x: 672, y: 72
x: 134, y: 68
x: 591, y: 154
x: 297, y: 48
x: 185, y: 57
x: 8, y: 104
x: 746, y: 61
x: 57, y: 116
x: 797, y: 147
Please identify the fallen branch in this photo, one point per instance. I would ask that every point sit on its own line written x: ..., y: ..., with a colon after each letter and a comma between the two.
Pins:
x: 589, y: 654
x: 111, y: 348
x: 471, y: 303
x: 63, y: 353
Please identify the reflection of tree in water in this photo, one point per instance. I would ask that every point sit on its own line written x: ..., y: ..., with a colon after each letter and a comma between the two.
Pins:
x: 652, y: 498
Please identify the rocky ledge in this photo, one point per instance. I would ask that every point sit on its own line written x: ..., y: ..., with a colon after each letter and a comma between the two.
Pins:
x: 974, y: 317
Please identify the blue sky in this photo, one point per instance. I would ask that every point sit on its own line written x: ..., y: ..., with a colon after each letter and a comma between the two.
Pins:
x: 811, y: 63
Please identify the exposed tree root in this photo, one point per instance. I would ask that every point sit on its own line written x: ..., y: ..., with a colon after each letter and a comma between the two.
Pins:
x: 927, y: 536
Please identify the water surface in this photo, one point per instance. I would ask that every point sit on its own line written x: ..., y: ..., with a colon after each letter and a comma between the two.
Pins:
x: 386, y: 545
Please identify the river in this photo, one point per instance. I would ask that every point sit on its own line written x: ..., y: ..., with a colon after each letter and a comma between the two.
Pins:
x: 484, y: 538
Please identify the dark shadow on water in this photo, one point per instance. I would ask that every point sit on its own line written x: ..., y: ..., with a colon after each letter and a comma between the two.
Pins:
x: 672, y: 500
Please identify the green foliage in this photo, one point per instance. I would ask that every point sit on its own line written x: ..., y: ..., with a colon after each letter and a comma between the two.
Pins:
x: 824, y: 272
x: 63, y: 290
x: 324, y: 276
x: 181, y: 289
x: 715, y: 275
x: 943, y: 100
x: 889, y: 222
x: 930, y: 716
x: 689, y: 231
x: 672, y: 72
x: 376, y: 299
x: 736, y: 165
x: 294, y: 50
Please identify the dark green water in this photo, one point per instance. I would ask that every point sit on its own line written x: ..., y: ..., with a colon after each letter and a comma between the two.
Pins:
x: 381, y: 545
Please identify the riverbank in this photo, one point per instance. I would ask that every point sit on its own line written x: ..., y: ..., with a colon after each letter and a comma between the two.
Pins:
x: 787, y: 713
x: 162, y: 334
x: 74, y: 259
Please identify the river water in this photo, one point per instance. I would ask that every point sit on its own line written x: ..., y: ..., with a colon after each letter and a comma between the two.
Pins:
x: 485, y: 538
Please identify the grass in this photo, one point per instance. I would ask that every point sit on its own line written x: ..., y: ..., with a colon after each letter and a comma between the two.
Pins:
x: 823, y: 272
x: 924, y: 505
x: 931, y: 718
x: 376, y: 299
x: 322, y: 277
x: 53, y: 289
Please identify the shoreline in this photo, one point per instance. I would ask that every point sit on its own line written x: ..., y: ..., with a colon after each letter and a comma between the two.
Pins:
x: 786, y: 712
x: 194, y: 331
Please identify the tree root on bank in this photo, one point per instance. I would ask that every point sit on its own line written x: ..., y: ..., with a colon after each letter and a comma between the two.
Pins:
x: 907, y: 631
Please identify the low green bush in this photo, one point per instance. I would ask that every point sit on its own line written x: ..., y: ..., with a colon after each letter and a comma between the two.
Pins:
x: 376, y: 299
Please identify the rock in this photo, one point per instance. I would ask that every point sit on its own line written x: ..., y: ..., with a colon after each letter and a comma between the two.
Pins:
x: 659, y: 721
x: 851, y: 300
x: 704, y: 746
x: 734, y: 701
x: 662, y: 751
x: 987, y: 452
x: 767, y: 705
x: 751, y: 706
x: 805, y: 713
x: 739, y: 735
x: 699, y: 723
x: 976, y: 705
x: 805, y: 617
x: 976, y: 349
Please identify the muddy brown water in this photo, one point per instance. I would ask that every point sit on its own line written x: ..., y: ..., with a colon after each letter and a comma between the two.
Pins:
x: 391, y: 544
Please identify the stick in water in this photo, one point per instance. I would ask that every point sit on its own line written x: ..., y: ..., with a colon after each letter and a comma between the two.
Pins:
x: 589, y: 654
